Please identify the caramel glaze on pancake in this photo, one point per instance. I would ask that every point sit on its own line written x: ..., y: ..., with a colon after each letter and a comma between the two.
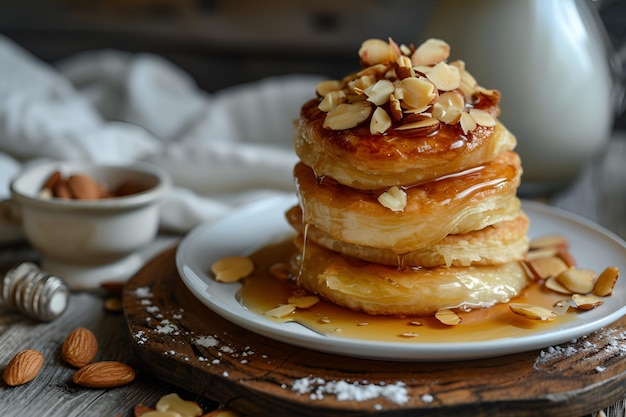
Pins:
x: 381, y: 289
x: 358, y: 159
x: 497, y: 244
x: 454, y: 204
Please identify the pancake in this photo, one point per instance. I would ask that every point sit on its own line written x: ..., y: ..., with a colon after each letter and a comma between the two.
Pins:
x: 384, y: 290
x: 358, y: 159
x: 503, y: 242
x: 455, y: 204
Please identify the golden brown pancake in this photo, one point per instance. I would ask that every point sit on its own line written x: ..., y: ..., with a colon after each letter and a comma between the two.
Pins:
x: 455, y: 204
x: 358, y: 159
x: 385, y: 290
x: 500, y: 243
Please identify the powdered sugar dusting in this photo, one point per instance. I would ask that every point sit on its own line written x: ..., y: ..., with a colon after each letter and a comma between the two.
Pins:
x: 206, y: 341
x: 166, y: 325
x: 343, y: 390
x: 600, y: 346
x: 143, y: 292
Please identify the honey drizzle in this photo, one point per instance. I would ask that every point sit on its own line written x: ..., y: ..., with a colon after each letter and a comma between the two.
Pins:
x: 460, y: 186
x: 262, y: 292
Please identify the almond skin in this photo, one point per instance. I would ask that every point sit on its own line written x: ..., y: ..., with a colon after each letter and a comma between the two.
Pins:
x: 80, y: 347
x: 105, y: 374
x: 84, y: 187
x: 23, y: 368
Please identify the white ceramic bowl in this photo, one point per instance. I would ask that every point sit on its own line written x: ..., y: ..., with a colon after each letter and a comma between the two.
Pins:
x: 87, y: 242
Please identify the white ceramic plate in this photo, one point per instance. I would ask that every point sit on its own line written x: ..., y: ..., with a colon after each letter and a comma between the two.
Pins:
x: 264, y: 222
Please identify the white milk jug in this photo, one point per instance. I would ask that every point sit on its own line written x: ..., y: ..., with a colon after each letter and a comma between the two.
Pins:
x: 552, y: 62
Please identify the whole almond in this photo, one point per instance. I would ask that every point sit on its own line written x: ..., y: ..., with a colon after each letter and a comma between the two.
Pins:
x: 105, y: 374
x: 52, y: 180
x: 80, y: 347
x: 62, y: 190
x: 84, y: 187
x: 23, y: 368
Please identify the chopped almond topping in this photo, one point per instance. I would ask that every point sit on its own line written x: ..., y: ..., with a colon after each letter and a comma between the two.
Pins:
x: 403, y: 81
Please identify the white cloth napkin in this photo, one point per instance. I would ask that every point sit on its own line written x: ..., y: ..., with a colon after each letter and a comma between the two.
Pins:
x: 222, y: 150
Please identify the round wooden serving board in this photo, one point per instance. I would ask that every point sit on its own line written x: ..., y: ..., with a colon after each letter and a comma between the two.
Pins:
x: 179, y: 340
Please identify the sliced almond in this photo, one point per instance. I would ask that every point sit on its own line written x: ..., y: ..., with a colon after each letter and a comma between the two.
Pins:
x: 395, y: 109
x: 347, y: 115
x: 360, y: 84
x: 281, y: 311
x: 394, y: 199
x: 605, y: 283
x: 553, y: 284
x: 173, y: 403
x: 448, y: 317
x: 232, y: 268
x: 332, y: 100
x: 326, y: 86
x: 564, y: 253
x: 468, y: 82
x: 549, y: 241
x: 577, y: 280
x: 416, y: 93
x: 303, y: 301
x: 431, y: 52
x: 545, y: 268
x: 449, y: 107
x: 548, y: 252
x: 586, y: 301
x: 376, y: 51
x: 532, y: 312
x: 379, y: 92
x: 482, y: 118
x: 445, y: 77
x: 378, y: 70
x: 380, y: 122
x: 468, y: 124
x: 404, y: 68
x: 561, y: 307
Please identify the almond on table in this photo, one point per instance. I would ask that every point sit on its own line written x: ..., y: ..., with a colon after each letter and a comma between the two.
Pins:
x: 23, y: 368
x: 80, y: 347
x: 105, y: 374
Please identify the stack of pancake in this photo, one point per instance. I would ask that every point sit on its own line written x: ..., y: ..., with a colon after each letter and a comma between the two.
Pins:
x: 407, y: 187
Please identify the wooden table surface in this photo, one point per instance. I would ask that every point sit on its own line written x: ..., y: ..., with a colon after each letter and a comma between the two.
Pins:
x: 599, y: 195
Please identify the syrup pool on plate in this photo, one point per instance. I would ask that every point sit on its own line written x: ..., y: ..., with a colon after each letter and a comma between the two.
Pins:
x: 262, y: 292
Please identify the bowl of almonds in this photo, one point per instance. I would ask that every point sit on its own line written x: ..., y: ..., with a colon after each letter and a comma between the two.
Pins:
x: 89, y: 219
